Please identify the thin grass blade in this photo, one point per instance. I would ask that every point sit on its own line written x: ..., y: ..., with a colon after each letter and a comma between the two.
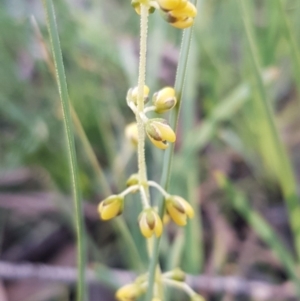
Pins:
x: 64, y: 97
x: 240, y: 203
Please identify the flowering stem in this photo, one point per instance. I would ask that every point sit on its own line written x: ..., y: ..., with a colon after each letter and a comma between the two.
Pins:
x: 180, y: 75
x: 158, y: 187
x: 144, y: 190
x: 140, y: 97
x: 149, y: 109
x: 180, y: 285
x: 129, y: 189
x: 144, y: 197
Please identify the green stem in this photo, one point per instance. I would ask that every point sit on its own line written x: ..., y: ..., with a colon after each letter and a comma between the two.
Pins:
x: 168, y: 156
x: 284, y: 171
x: 140, y: 98
x: 180, y: 285
x: 64, y: 97
x: 159, y: 188
x: 290, y: 36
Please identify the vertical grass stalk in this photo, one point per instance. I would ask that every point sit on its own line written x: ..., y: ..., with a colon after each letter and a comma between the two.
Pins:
x: 168, y: 156
x: 64, y: 97
x: 140, y: 98
x: 284, y: 170
x: 291, y: 39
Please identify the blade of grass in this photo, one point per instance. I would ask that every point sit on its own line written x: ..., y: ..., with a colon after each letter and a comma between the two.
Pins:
x: 240, y: 203
x: 200, y: 135
x: 282, y: 164
x: 168, y: 156
x: 193, y: 250
x: 291, y: 39
x: 64, y: 97
x: 119, y: 225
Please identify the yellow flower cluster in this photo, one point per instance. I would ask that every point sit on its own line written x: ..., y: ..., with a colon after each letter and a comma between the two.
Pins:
x: 179, y: 13
x: 150, y: 222
x: 157, y: 129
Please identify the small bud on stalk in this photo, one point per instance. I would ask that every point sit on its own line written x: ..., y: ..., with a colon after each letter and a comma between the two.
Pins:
x: 150, y: 223
x: 159, y: 132
x: 179, y: 209
x: 111, y: 207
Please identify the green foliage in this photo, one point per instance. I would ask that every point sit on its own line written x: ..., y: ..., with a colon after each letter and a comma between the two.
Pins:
x: 241, y: 97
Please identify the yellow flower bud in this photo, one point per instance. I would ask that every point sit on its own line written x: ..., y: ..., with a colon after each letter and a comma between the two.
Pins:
x: 166, y: 218
x: 132, y: 94
x: 133, y: 180
x: 164, y: 100
x: 129, y: 292
x: 189, y: 10
x: 159, y: 132
x: 179, y: 209
x: 178, y: 275
x: 131, y: 133
x: 182, y: 16
x: 150, y: 223
x: 182, y: 4
x: 167, y: 5
x: 111, y: 207
x: 137, y: 7
x: 183, y: 24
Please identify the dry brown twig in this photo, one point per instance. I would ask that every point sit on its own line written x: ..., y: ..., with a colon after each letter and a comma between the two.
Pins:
x: 234, y: 285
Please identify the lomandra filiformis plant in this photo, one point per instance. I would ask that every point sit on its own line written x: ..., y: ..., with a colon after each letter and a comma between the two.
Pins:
x: 180, y: 14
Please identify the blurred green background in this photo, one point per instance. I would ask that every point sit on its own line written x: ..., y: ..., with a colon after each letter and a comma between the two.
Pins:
x: 239, y: 118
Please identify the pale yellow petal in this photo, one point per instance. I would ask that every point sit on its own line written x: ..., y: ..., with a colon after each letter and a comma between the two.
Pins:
x: 158, y: 226
x: 189, y: 210
x: 168, y: 4
x: 166, y: 132
x: 182, y: 203
x: 145, y: 229
x: 164, y: 99
x: 178, y: 217
x: 110, y: 211
x: 159, y: 144
x: 189, y: 10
